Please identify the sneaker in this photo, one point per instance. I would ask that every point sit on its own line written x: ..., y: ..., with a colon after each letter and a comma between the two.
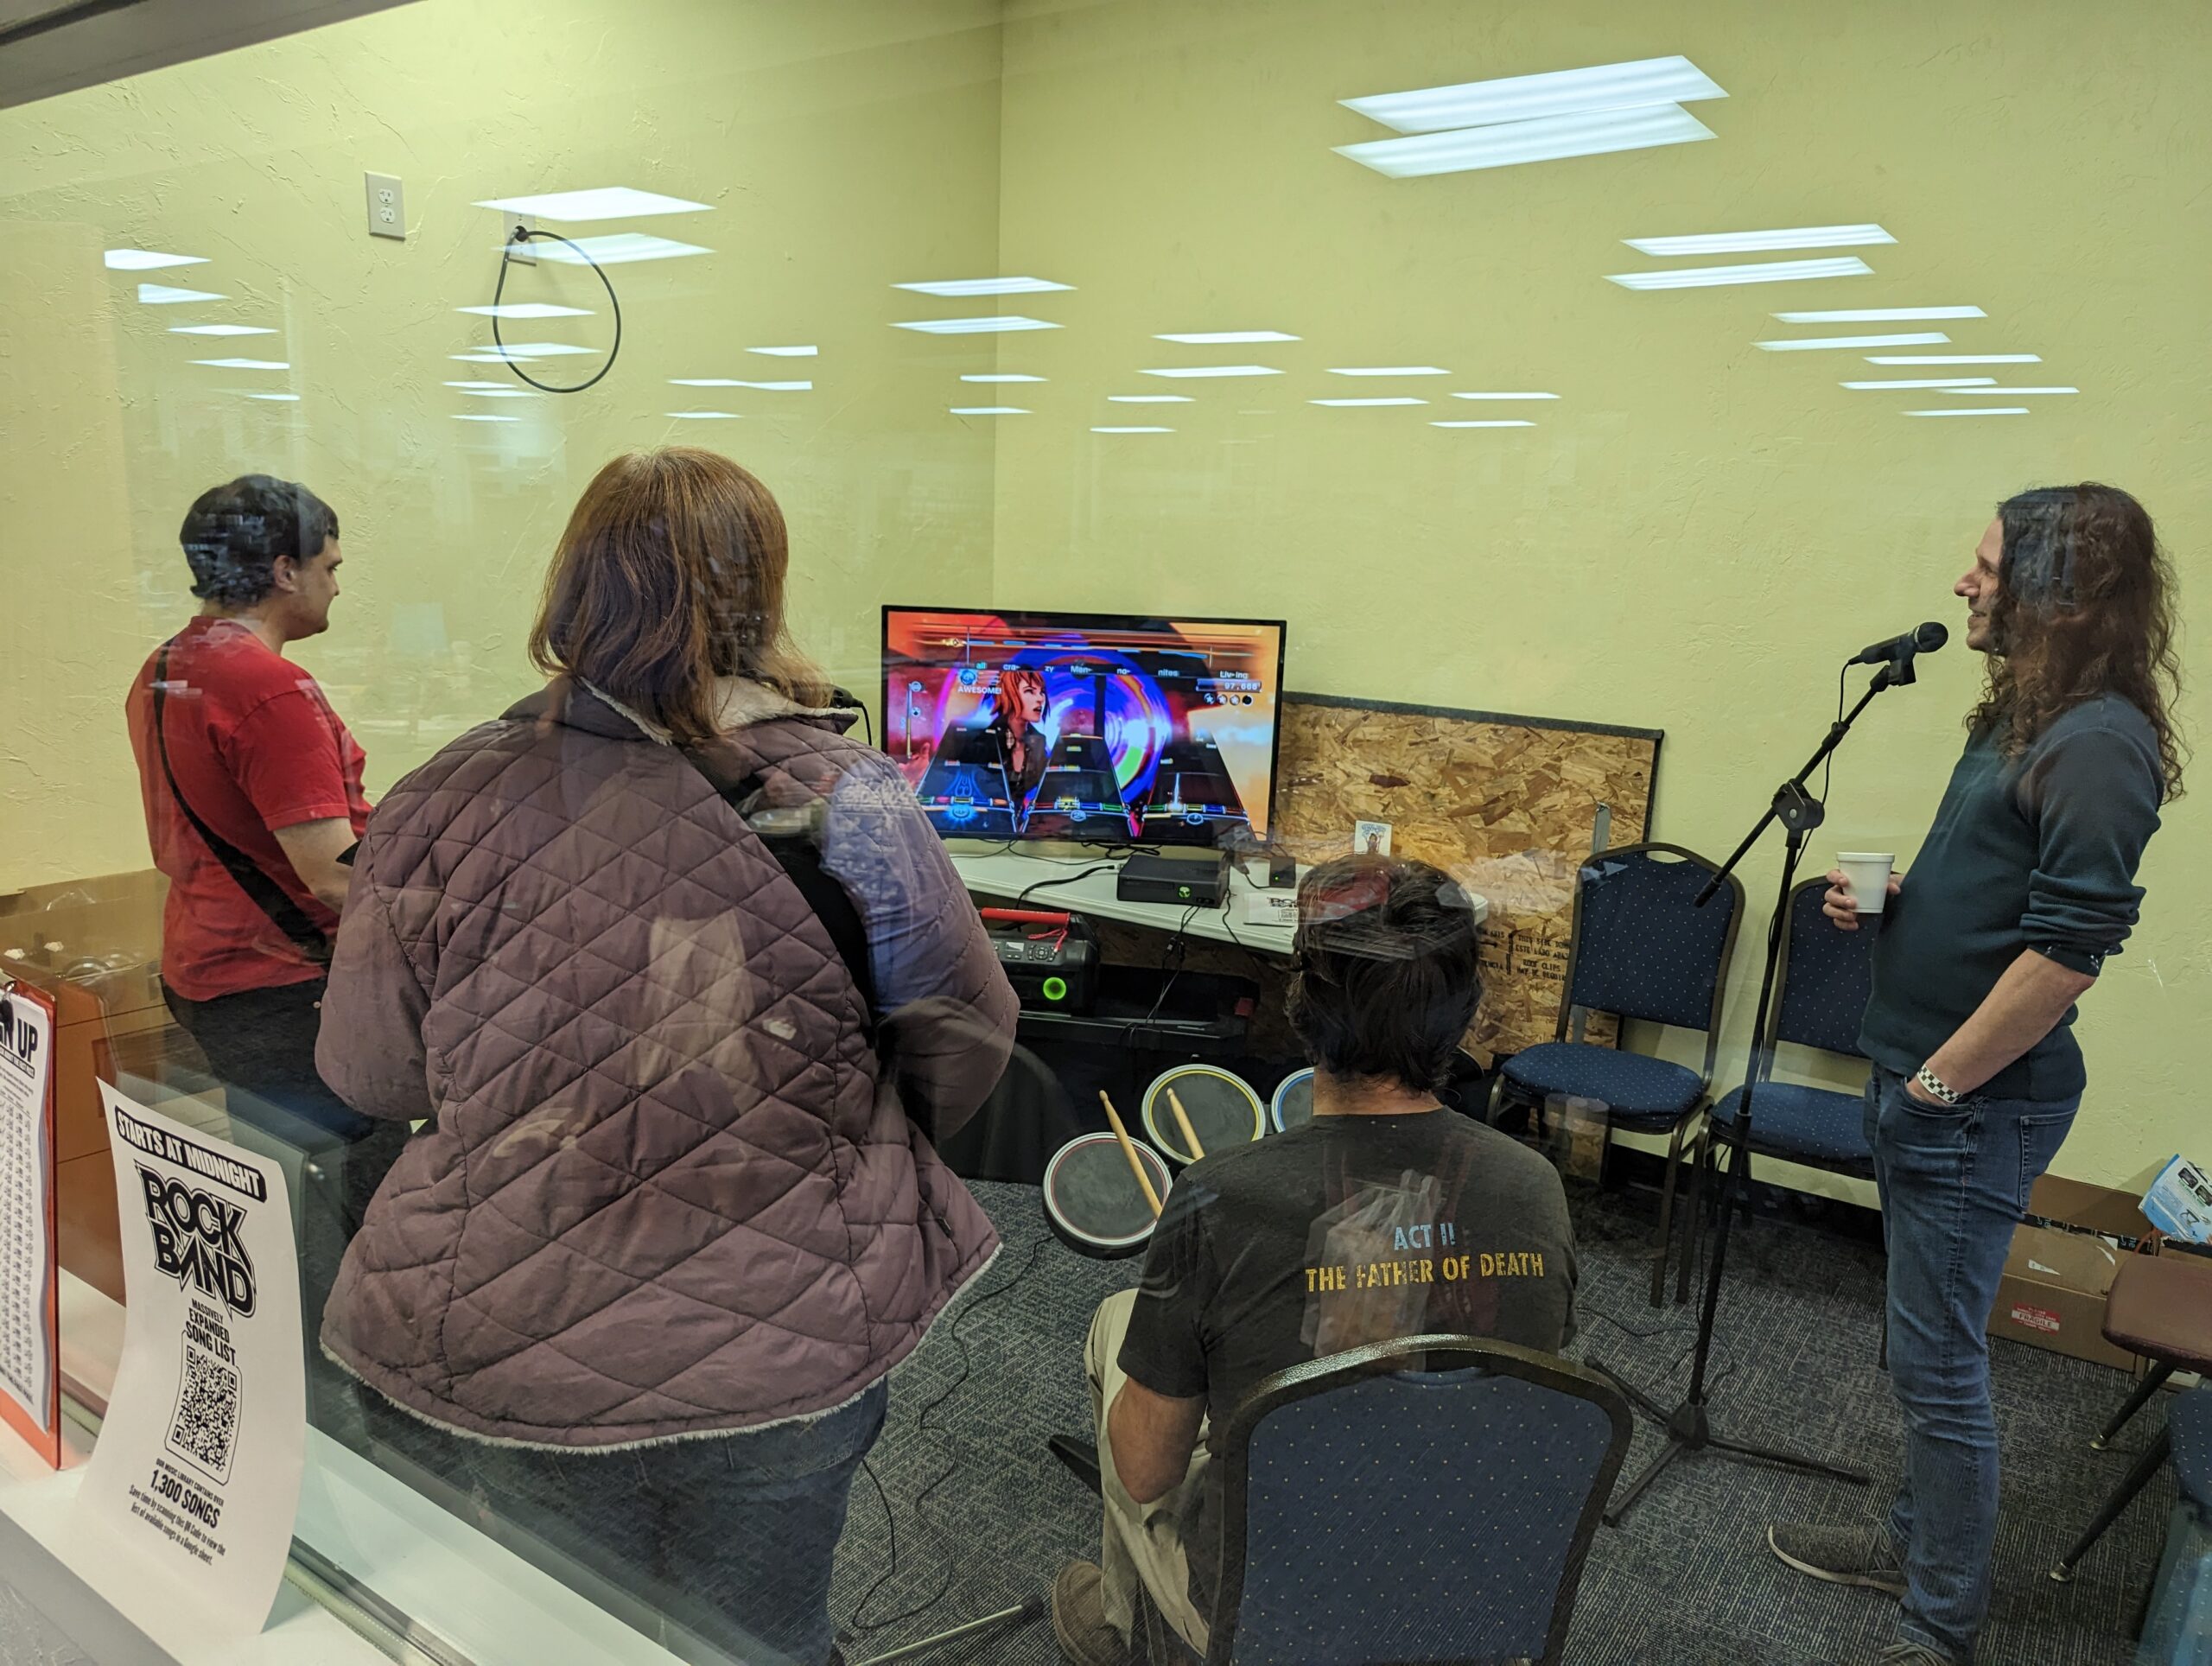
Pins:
x: 1842, y: 1555
x: 1912, y: 1653
x: 1079, y: 1622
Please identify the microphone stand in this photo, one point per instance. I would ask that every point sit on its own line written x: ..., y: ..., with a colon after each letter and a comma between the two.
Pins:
x: 1689, y: 1429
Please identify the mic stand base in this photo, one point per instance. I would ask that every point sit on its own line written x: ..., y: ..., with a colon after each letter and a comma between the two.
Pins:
x: 1690, y: 1430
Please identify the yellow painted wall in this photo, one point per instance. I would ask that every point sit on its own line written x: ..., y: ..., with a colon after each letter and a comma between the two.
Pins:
x: 1697, y: 531
x: 68, y: 623
x: 1689, y: 539
x: 833, y: 145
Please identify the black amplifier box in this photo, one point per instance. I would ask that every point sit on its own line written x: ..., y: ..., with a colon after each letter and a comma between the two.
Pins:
x: 1052, y: 959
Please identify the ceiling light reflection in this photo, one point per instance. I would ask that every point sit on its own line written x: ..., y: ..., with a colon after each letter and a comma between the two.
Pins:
x: 1973, y: 410
x: 1733, y: 243
x: 1954, y: 358
x: 163, y: 295
x: 221, y: 329
x: 984, y: 286
x: 1524, y: 98
x: 601, y: 202
x: 986, y: 411
x: 615, y: 249
x: 1222, y: 338
x: 1213, y: 369
x: 528, y: 309
x: 1546, y: 138
x: 525, y: 350
x: 731, y: 382
x: 1494, y: 422
x: 245, y: 364
x: 148, y: 260
x: 1878, y: 315
x: 1928, y: 382
x: 1762, y: 271
x: 1003, y: 376
x: 1822, y: 343
x: 996, y: 324
x: 1398, y: 401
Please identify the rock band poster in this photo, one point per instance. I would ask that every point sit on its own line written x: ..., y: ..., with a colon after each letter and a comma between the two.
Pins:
x: 197, y: 1469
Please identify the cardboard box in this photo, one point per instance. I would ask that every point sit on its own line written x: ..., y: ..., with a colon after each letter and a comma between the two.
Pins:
x: 2053, y: 1294
x: 2064, y: 1258
x: 2179, y: 1202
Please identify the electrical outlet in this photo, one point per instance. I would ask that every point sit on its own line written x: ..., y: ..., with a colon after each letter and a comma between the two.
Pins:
x: 522, y: 253
x: 387, y: 207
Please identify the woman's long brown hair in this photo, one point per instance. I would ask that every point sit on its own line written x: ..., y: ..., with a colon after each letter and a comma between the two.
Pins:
x: 669, y: 575
x: 2084, y: 606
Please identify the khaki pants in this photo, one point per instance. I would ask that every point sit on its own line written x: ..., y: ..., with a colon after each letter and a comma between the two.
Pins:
x: 1142, y: 1544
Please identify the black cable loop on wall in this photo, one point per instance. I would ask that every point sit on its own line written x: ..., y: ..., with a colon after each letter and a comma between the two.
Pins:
x: 506, y: 259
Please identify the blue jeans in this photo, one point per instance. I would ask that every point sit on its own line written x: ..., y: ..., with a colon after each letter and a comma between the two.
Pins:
x: 731, y: 1536
x: 1955, y: 1181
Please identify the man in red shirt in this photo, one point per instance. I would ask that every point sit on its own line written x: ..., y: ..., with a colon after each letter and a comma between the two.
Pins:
x: 252, y: 790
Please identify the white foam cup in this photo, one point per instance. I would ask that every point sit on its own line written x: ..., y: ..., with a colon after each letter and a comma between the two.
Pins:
x: 1867, y: 874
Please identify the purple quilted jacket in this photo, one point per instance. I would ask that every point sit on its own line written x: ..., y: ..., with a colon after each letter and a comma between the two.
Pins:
x: 667, y: 1191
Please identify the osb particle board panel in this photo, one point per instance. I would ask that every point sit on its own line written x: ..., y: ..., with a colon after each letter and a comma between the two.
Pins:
x: 1506, y: 804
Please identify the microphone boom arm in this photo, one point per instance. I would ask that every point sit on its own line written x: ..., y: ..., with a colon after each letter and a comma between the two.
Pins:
x: 1793, y: 806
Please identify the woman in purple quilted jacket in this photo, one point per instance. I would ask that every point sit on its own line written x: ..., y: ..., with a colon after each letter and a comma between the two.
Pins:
x: 682, y: 980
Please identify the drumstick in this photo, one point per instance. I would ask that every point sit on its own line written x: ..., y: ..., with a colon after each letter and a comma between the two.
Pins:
x: 1183, y: 1122
x: 1129, y: 1150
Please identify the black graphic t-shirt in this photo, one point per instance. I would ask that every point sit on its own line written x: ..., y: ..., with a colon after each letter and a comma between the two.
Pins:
x: 1346, y: 1230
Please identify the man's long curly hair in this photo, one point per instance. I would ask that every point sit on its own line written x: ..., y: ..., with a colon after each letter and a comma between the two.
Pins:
x: 2084, y: 606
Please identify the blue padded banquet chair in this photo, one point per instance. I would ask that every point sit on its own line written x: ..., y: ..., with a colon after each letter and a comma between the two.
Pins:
x: 1431, y: 1498
x: 1822, y: 986
x: 2178, y: 1631
x: 1640, y: 949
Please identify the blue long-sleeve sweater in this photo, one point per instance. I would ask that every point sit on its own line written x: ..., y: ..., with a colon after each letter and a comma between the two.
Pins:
x: 2037, y: 852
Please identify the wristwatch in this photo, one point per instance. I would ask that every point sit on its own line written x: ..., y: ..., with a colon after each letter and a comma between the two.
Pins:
x: 1935, y: 1086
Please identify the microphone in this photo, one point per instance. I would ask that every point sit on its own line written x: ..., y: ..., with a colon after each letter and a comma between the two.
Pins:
x: 1925, y: 638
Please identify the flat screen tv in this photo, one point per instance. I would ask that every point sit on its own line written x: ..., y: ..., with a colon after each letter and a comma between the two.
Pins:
x: 1099, y: 728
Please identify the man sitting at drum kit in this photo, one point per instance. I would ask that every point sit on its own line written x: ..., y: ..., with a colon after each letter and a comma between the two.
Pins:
x: 1386, y: 1216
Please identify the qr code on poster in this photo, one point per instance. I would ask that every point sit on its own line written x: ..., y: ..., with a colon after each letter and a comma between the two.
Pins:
x: 206, y: 1425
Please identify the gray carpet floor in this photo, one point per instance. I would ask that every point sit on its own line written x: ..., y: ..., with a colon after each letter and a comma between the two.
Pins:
x: 1687, y: 1578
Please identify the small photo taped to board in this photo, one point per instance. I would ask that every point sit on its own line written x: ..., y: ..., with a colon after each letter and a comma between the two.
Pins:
x: 1370, y: 839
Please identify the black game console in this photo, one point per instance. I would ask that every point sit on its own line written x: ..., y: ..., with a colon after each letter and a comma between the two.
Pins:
x: 1052, y: 959
x: 1177, y: 881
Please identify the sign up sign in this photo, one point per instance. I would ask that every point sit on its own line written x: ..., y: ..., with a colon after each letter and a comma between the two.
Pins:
x: 197, y: 1465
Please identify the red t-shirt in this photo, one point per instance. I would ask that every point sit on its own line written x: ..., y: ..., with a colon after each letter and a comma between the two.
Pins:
x: 255, y: 747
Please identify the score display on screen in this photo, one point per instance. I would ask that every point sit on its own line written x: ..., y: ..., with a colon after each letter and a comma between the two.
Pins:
x: 1097, y: 728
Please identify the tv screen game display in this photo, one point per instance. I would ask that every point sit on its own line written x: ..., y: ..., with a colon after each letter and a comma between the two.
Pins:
x: 1092, y: 727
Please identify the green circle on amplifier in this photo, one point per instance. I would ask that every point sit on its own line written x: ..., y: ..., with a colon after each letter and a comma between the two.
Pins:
x: 1055, y: 988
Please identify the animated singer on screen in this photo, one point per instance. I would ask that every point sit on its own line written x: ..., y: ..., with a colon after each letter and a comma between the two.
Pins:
x: 1019, y: 728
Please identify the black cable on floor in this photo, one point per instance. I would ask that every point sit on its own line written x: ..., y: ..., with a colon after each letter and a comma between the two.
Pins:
x: 857, y: 1627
